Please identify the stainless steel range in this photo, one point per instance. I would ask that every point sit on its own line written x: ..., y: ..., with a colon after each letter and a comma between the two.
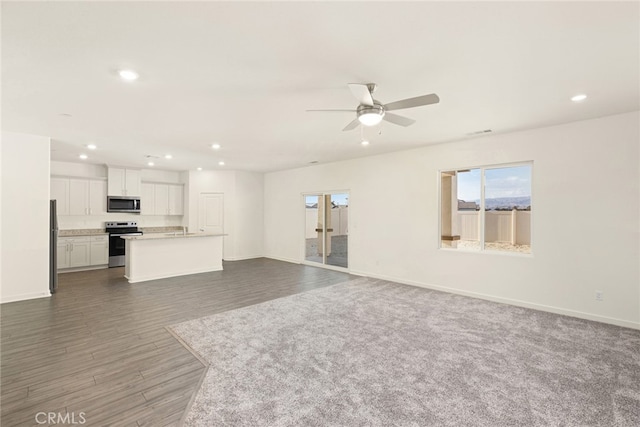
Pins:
x: 116, y: 244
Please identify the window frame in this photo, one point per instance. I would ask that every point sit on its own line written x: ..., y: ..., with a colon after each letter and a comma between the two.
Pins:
x: 482, y: 225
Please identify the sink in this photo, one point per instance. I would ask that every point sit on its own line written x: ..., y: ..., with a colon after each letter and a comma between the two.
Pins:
x: 179, y: 234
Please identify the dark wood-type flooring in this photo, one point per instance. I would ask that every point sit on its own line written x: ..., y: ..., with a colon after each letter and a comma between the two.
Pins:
x: 99, y: 345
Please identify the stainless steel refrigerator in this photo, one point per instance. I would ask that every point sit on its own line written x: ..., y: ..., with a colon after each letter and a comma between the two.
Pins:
x: 53, y: 247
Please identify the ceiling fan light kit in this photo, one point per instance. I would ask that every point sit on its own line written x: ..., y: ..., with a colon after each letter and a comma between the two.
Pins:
x: 371, y: 112
x: 370, y: 116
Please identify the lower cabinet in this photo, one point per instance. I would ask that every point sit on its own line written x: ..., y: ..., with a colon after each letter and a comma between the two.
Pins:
x: 82, y: 251
x: 99, y: 251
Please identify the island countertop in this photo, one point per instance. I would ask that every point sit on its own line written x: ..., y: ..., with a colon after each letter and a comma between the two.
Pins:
x: 178, y: 235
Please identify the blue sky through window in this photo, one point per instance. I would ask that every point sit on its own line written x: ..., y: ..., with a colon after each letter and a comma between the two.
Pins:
x: 341, y: 199
x: 499, y: 182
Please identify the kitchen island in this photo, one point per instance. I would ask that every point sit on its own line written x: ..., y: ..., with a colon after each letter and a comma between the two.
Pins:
x: 157, y: 256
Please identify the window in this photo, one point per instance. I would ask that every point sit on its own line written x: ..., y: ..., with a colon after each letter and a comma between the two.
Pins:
x: 486, y: 208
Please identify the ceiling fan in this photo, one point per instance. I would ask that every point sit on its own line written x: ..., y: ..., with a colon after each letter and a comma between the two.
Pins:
x: 370, y: 111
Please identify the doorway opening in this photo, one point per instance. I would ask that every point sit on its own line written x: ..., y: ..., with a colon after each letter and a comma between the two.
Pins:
x: 326, y: 237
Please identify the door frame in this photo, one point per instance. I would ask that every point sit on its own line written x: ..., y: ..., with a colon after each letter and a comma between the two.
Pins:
x: 303, y: 248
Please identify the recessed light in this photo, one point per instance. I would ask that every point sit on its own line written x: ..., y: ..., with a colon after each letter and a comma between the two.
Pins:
x: 150, y: 164
x: 168, y: 156
x: 215, y: 146
x: 128, y: 75
x: 65, y: 115
x: 199, y: 168
x: 364, y: 142
x: 92, y: 146
x: 221, y: 163
x: 578, y: 98
x: 83, y: 156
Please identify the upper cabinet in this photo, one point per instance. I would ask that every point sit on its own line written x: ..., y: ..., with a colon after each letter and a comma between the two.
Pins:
x: 124, y: 182
x: 162, y: 199
x: 60, y: 192
x: 176, y: 200
x: 79, y: 196
x: 147, y: 199
x: 87, y: 197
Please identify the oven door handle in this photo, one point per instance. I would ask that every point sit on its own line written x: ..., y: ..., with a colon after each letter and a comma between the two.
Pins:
x: 126, y: 234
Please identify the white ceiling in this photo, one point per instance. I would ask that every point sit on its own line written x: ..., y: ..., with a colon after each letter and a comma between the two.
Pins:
x: 243, y: 74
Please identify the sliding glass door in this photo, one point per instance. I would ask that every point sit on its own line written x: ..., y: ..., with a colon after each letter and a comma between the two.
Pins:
x: 327, y: 229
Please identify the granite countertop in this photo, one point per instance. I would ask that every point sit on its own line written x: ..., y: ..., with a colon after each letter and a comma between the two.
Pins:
x: 170, y: 229
x: 82, y: 232
x: 179, y: 235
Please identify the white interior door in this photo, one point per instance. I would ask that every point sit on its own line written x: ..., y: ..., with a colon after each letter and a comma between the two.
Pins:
x: 211, y: 213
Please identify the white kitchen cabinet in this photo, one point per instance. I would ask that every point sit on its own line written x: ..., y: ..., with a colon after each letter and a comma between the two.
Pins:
x: 165, y: 199
x: 73, y: 252
x: 99, y: 252
x: 176, y: 200
x: 123, y: 182
x: 79, y: 196
x: 147, y: 199
x: 63, y: 254
x: 97, y: 197
x: 83, y: 251
x: 161, y: 202
x: 60, y: 192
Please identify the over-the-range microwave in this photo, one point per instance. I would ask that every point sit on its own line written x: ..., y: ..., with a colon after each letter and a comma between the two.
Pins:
x: 123, y: 204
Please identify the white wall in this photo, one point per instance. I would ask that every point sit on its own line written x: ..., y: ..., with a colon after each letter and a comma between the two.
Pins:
x: 249, y: 213
x: 25, y: 217
x: 591, y: 165
x: 243, y: 209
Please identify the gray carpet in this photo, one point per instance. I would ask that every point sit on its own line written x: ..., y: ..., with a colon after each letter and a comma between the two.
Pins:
x: 375, y: 353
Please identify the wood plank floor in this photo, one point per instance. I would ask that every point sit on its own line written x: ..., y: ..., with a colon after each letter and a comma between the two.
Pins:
x: 99, y: 345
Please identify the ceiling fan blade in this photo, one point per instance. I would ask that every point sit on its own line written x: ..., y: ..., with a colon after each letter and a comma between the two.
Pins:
x: 354, y: 124
x: 350, y: 111
x: 362, y: 94
x: 398, y: 120
x: 413, y: 102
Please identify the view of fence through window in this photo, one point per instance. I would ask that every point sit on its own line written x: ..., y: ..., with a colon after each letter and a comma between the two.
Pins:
x: 486, y: 208
x: 327, y: 229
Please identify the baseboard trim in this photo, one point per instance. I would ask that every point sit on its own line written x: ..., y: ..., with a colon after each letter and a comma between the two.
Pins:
x: 242, y: 258
x: 515, y: 302
x: 24, y: 297
x: 83, y: 268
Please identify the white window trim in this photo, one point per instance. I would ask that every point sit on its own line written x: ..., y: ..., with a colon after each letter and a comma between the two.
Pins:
x: 481, y: 216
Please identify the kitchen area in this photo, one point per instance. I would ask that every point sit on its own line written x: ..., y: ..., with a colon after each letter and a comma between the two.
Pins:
x: 94, y: 208
x: 31, y: 178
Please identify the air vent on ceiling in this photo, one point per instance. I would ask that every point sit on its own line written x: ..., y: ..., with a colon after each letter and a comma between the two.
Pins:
x: 479, y: 132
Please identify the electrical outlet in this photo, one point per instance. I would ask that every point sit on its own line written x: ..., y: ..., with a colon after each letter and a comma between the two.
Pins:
x: 599, y: 295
